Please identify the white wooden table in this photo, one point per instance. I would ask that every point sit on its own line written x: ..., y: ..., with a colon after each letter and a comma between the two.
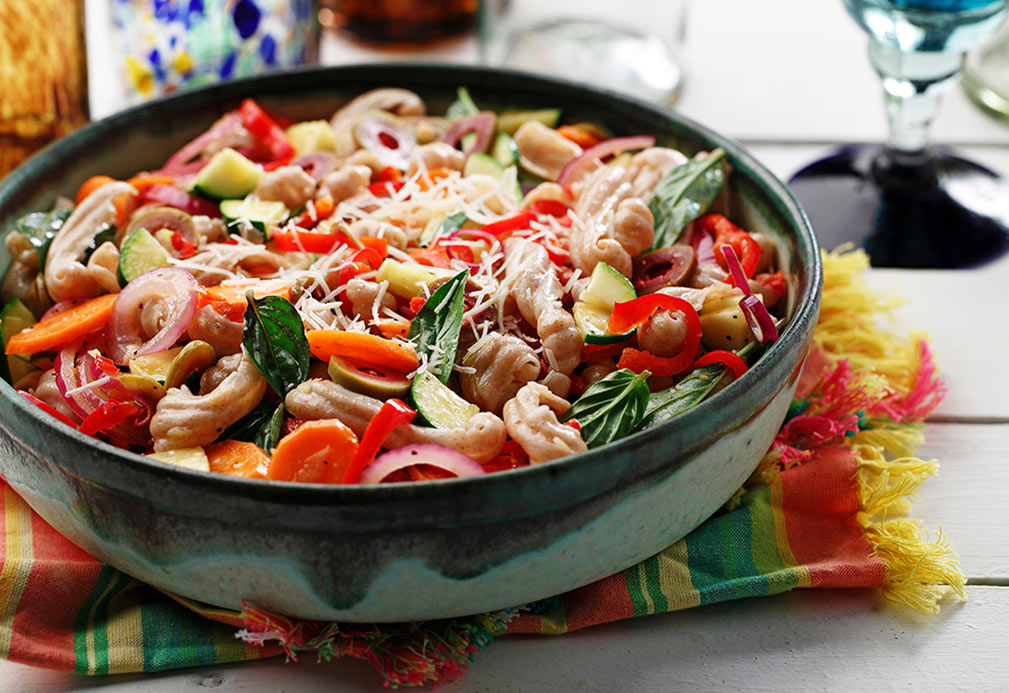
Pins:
x: 788, y: 78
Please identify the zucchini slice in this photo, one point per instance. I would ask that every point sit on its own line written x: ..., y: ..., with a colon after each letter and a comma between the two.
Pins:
x: 227, y: 174
x: 437, y: 404
x: 261, y: 214
x: 140, y: 253
x: 606, y: 288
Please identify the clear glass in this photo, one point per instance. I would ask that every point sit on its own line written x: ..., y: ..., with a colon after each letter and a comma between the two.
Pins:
x: 630, y: 46
x: 986, y: 75
x: 907, y: 203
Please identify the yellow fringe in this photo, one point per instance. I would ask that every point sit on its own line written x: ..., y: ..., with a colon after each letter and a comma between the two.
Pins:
x: 919, y: 568
x: 848, y: 326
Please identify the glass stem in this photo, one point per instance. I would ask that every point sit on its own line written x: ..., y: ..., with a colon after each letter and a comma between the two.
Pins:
x: 913, y: 85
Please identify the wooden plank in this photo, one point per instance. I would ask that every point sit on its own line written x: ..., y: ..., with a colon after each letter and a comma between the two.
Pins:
x: 969, y: 328
x: 967, y: 500
x: 803, y: 640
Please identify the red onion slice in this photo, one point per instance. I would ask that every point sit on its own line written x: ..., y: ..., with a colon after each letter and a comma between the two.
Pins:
x: 482, y: 124
x: 68, y: 380
x: 703, y: 244
x: 225, y: 127
x: 760, y: 321
x: 179, y: 199
x: 165, y: 284
x: 62, y: 306
x: 317, y: 164
x: 485, y: 236
x: 435, y: 455
x: 593, y: 156
x: 381, y: 135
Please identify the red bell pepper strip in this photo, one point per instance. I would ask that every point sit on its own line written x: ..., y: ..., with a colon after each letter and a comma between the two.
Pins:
x: 389, y: 174
x: 598, y: 352
x: 512, y: 456
x: 513, y: 223
x: 392, y: 414
x: 110, y: 414
x: 320, y: 209
x: 629, y: 314
x: 553, y: 208
x: 368, y: 255
x: 434, y: 256
x: 48, y: 409
x: 456, y: 250
x: 386, y: 188
x: 183, y: 247
x: 379, y: 245
x: 360, y: 261
x: 727, y: 233
x: 276, y: 163
x: 270, y: 139
x: 726, y: 358
x: 308, y: 241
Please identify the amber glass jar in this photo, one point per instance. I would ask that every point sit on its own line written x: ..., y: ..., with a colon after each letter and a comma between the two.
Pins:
x: 400, y: 21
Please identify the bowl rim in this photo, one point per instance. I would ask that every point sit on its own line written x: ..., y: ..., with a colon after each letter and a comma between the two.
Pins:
x: 800, y: 324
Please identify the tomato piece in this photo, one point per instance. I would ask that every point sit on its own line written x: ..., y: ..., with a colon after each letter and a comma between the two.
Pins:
x: 727, y: 233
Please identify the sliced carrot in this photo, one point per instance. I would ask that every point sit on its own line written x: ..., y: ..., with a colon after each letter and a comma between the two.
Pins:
x: 123, y: 208
x: 432, y: 257
x: 379, y: 245
x: 433, y: 176
x: 392, y: 328
x: 362, y: 347
x: 141, y: 183
x: 90, y: 185
x: 238, y: 458
x: 580, y: 136
x: 317, y: 452
x: 63, y: 327
x: 324, y: 207
x: 230, y: 300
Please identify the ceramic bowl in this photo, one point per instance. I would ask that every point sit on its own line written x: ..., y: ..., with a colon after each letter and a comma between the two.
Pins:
x: 399, y: 552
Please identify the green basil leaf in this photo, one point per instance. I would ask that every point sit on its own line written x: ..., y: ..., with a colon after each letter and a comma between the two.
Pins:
x: 249, y: 426
x: 453, y: 222
x: 435, y: 329
x: 684, y: 194
x: 274, y: 338
x: 462, y: 106
x: 41, y: 228
x: 268, y: 434
x: 106, y: 233
x: 689, y: 392
x: 610, y: 408
x: 695, y: 386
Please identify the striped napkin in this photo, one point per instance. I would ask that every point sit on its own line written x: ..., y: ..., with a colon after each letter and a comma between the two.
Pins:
x: 822, y: 510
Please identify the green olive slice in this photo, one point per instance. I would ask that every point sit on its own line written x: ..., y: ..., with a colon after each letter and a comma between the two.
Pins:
x: 195, y: 357
x: 368, y: 379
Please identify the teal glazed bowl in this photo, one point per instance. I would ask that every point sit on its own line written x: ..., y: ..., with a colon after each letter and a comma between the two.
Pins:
x: 403, y: 552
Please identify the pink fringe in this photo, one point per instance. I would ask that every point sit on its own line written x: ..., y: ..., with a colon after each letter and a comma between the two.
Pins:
x: 403, y: 654
x: 837, y: 406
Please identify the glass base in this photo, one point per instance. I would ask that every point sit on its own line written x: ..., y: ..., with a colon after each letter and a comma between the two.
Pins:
x: 945, y: 213
x: 619, y: 58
